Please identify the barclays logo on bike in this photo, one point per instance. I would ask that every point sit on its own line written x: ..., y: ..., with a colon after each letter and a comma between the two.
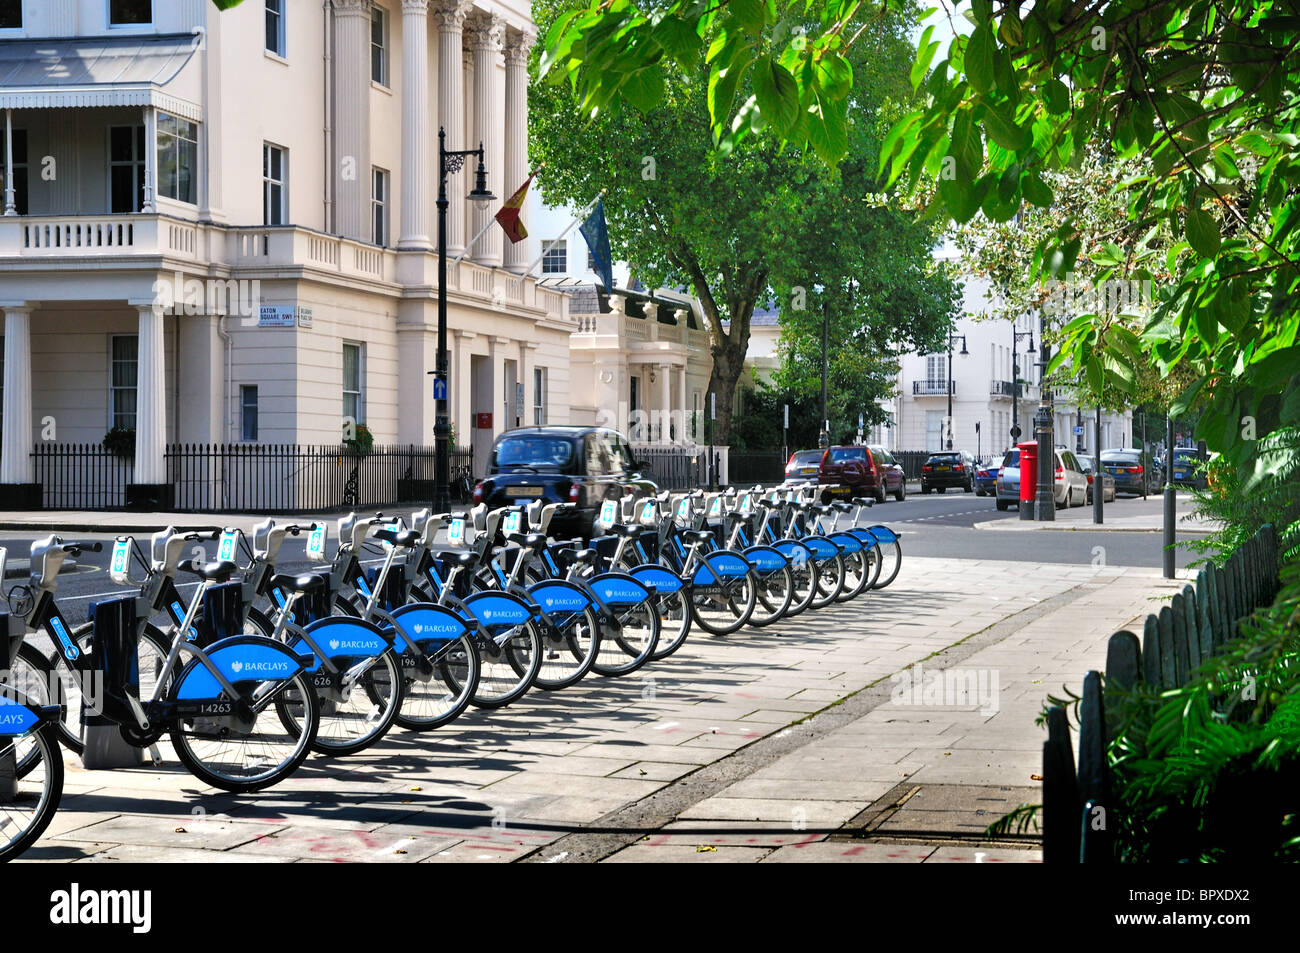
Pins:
x: 265, y: 668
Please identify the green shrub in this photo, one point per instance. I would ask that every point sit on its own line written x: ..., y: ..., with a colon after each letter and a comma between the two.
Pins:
x: 120, y: 442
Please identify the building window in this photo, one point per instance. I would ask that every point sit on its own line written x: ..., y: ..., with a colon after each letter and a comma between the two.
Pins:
x: 379, y: 206
x: 275, y: 27
x: 353, y: 362
x: 936, y: 369
x: 248, y: 412
x: 125, y: 168
x: 556, y: 259
x: 178, y: 152
x: 130, y: 12
x: 934, y: 430
x: 539, y: 396
x: 11, y: 14
x: 379, y: 46
x: 122, y: 380
x: 19, y: 147
x: 275, y: 169
x: 591, y: 261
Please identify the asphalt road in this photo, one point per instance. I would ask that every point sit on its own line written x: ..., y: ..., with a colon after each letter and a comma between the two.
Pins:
x: 934, y: 525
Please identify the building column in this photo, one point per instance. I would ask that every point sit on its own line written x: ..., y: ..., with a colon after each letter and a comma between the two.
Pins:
x: 10, y: 207
x: 148, y: 203
x: 451, y: 109
x: 16, y: 445
x: 415, y: 125
x: 463, y: 405
x: 684, y: 427
x: 527, y: 359
x: 497, y: 348
x: 515, y: 152
x: 150, y: 397
x: 485, y: 36
x: 665, y: 401
x: 352, y: 119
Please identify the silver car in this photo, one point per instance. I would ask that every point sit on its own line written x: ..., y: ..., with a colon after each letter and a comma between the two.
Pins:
x: 1070, y: 486
x: 1107, y: 480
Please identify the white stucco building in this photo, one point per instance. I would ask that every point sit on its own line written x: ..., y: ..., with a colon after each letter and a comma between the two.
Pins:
x: 222, y: 227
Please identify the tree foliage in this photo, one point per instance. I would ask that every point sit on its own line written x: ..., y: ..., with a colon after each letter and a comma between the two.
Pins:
x: 764, y: 220
x: 1204, y: 93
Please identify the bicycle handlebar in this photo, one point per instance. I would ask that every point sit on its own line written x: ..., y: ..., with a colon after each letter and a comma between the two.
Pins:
x: 74, y: 548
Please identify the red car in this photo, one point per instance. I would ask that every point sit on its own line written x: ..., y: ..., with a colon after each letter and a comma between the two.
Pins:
x: 861, y: 471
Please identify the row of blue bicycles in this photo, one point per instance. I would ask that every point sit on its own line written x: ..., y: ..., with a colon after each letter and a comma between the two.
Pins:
x: 405, y: 625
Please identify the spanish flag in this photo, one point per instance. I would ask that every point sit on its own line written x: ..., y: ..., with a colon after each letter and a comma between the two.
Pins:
x: 508, y: 216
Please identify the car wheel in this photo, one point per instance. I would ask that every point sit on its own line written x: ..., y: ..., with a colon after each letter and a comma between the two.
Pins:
x: 901, y: 493
x: 925, y: 490
x: 968, y: 488
x: 1002, y: 505
x: 880, y: 493
x: 942, y: 489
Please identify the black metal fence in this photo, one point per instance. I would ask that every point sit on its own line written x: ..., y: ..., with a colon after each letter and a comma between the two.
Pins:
x: 1196, y: 624
x: 261, y: 478
x: 676, y: 468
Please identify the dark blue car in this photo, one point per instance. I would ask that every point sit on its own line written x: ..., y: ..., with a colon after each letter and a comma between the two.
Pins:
x: 986, y: 479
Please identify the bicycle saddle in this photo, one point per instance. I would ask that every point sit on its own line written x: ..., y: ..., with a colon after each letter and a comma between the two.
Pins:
x: 864, y: 501
x: 299, y: 584
x: 405, y: 537
x: 220, y: 571
x: 580, y: 556
x: 533, y: 541
x: 624, y: 530
x: 841, y: 507
x: 697, y: 535
x: 458, y: 557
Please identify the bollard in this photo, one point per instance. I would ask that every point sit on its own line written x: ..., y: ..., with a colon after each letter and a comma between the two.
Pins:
x: 114, y: 654
x: 1171, y: 504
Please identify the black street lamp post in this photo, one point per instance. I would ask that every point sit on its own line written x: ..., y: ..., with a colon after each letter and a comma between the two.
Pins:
x: 951, y: 338
x: 1015, y: 384
x: 448, y: 162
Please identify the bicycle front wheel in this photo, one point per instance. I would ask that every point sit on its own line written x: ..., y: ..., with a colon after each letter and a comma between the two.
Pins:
x: 239, y: 756
x: 509, y: 667
x: 628, y: 641
x: 37, y: 791
x: 569, y: 650
x: 437, y: 701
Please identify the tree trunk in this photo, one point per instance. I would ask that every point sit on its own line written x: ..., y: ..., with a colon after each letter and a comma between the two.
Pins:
x: 728, y: 365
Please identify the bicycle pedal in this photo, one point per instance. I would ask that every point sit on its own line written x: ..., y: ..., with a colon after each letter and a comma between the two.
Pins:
x: 155, y: 755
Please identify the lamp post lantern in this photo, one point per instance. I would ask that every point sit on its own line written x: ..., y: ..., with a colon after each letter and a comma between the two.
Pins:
x: 448, y: 162
x: 1015, y: 383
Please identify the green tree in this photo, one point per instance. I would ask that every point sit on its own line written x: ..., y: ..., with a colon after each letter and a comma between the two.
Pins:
x: 764, y: 219
x: 1203, y: 92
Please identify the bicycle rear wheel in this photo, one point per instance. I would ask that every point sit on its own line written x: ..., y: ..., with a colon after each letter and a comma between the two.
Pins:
x: 371, y: 700
x: 250, y: 757
x: 507, y: 670
x: 675, y: 619
x: 726, y: 605
x: 857, y: 575
x: 37, y: 791
x: 891, y: 554
x: 829, y: 574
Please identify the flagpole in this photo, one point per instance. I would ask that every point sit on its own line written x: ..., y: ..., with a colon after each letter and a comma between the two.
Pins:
x: 492, y: 221
x: 576, y: 219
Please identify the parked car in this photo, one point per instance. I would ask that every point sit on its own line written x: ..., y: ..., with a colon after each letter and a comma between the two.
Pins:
x: 1188, y: 468
x: 952, y: 468
x: 1134, y: 471
x: 802, y: 467
x: 579, y: 465
x: 861, y: 471
x: 1070, y: 486
x: 986, y: 478
x: 1090, y: 471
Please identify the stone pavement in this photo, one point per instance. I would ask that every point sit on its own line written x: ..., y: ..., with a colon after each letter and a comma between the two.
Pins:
x: 778, y: 744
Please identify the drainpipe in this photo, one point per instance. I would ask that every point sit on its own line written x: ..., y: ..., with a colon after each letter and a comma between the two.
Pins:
x: 327, y: 8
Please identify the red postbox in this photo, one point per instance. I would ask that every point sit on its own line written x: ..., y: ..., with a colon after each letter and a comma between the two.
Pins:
x: 1028, y: 470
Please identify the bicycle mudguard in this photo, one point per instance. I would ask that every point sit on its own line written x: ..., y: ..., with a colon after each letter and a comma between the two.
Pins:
x: 18, y: 719
x: 239, y: 659
x: 863, y: 536
x: 846, y: 541
x: 766, y: 559
x: 427, y: 625
x: 557, y: 597
x: 724, y: 565
x: 656, y: 578
x: 618, y: 589
x: 822, y: 548
x: 795, y: 551
x: 498, y: 608
x: 883, y: 534
x: 342, y: 637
